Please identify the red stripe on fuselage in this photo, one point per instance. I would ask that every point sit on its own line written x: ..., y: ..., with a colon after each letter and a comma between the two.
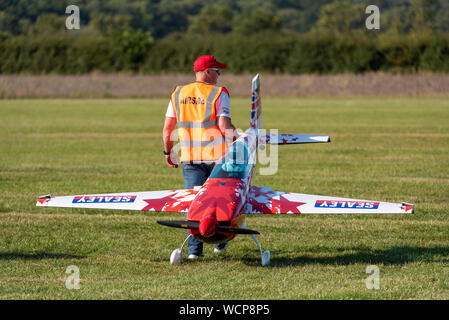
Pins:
x: 227, y: 197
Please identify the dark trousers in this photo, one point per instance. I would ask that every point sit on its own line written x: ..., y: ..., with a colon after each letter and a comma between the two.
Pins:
x: 196, y: 175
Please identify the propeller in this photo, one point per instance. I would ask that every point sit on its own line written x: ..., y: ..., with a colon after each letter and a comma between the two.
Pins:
x: 195, y: 225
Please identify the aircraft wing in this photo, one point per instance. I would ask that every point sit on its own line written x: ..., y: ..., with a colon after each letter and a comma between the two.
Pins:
x: 282, y: 138
x: 165, y: 201
x: 263, y: 200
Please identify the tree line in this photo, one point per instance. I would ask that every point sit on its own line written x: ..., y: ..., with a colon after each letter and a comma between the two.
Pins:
x: 285, y: 36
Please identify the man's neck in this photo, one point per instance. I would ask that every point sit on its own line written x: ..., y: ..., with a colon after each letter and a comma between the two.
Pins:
x: 203, y: 78
x: 204, y: 82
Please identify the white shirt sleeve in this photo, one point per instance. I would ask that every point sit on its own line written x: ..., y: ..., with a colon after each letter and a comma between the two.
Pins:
x: 223, y: 105
x: 170, y: 111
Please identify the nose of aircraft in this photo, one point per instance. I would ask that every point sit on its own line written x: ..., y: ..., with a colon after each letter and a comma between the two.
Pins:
x: 208, y: 223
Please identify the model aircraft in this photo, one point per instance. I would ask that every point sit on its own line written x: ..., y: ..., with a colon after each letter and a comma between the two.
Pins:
x: 215, y: 211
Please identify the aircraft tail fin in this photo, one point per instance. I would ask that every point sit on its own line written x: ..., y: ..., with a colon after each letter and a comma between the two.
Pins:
x: 256, y: 105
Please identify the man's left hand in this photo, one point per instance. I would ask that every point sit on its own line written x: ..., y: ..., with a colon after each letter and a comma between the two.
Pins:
x: 172, y: 159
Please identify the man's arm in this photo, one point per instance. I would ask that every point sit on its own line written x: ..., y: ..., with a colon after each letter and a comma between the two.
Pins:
x: 167, y: 134
x: 227, y: 128
x: 223, y: 111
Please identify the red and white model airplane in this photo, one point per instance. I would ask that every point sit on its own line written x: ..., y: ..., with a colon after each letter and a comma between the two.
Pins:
x: 216, y: 210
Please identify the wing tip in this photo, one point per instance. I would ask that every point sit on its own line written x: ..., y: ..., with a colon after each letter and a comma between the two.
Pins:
x: 408, y: 207
x: 42, y: 199
x: 321, y: 138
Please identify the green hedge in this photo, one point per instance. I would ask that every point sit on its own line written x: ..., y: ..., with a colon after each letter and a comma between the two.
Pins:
x: 263, y: 52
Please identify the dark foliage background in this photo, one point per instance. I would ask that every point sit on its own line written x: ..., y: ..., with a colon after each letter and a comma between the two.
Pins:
x: 278, y: 36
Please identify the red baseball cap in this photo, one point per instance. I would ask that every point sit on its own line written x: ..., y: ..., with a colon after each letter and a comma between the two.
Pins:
x: 204, y: 62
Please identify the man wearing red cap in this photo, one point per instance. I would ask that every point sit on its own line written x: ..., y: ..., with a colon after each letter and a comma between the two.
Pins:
x: 201, y: 110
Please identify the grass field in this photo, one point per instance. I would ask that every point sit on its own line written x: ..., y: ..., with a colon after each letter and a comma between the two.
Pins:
x: 382, y: 149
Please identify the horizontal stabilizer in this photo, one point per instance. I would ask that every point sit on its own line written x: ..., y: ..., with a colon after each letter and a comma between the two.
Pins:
x: 271, y: 138
x: 195, y: 225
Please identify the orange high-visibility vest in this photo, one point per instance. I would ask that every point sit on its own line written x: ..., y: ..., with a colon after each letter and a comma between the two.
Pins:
x: 199, y: 134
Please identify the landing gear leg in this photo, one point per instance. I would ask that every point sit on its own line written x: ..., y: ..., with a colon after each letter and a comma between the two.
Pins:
x: 265, y: 255
x: 176, y: 255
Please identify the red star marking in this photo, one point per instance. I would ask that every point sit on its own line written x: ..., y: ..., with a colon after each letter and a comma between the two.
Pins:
x: 167, y: 204
x: 407, y: 208
x: 42, y: 201
x: 283, y: 205
x: 271, y: 205
x: 157, y: 204
x: 261, y: 205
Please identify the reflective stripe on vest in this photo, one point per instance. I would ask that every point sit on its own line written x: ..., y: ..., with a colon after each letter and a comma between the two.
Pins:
x: 202, y: 143
x: 199, y: 134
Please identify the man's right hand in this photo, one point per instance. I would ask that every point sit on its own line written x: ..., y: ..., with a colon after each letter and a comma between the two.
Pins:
x: 172, y: 159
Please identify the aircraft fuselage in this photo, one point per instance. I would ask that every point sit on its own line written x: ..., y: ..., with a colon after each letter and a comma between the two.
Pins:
x: 221, y: 199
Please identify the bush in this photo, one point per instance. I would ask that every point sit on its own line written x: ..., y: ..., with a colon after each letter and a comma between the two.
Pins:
x: 435, y: 57
x: 265, y: 51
